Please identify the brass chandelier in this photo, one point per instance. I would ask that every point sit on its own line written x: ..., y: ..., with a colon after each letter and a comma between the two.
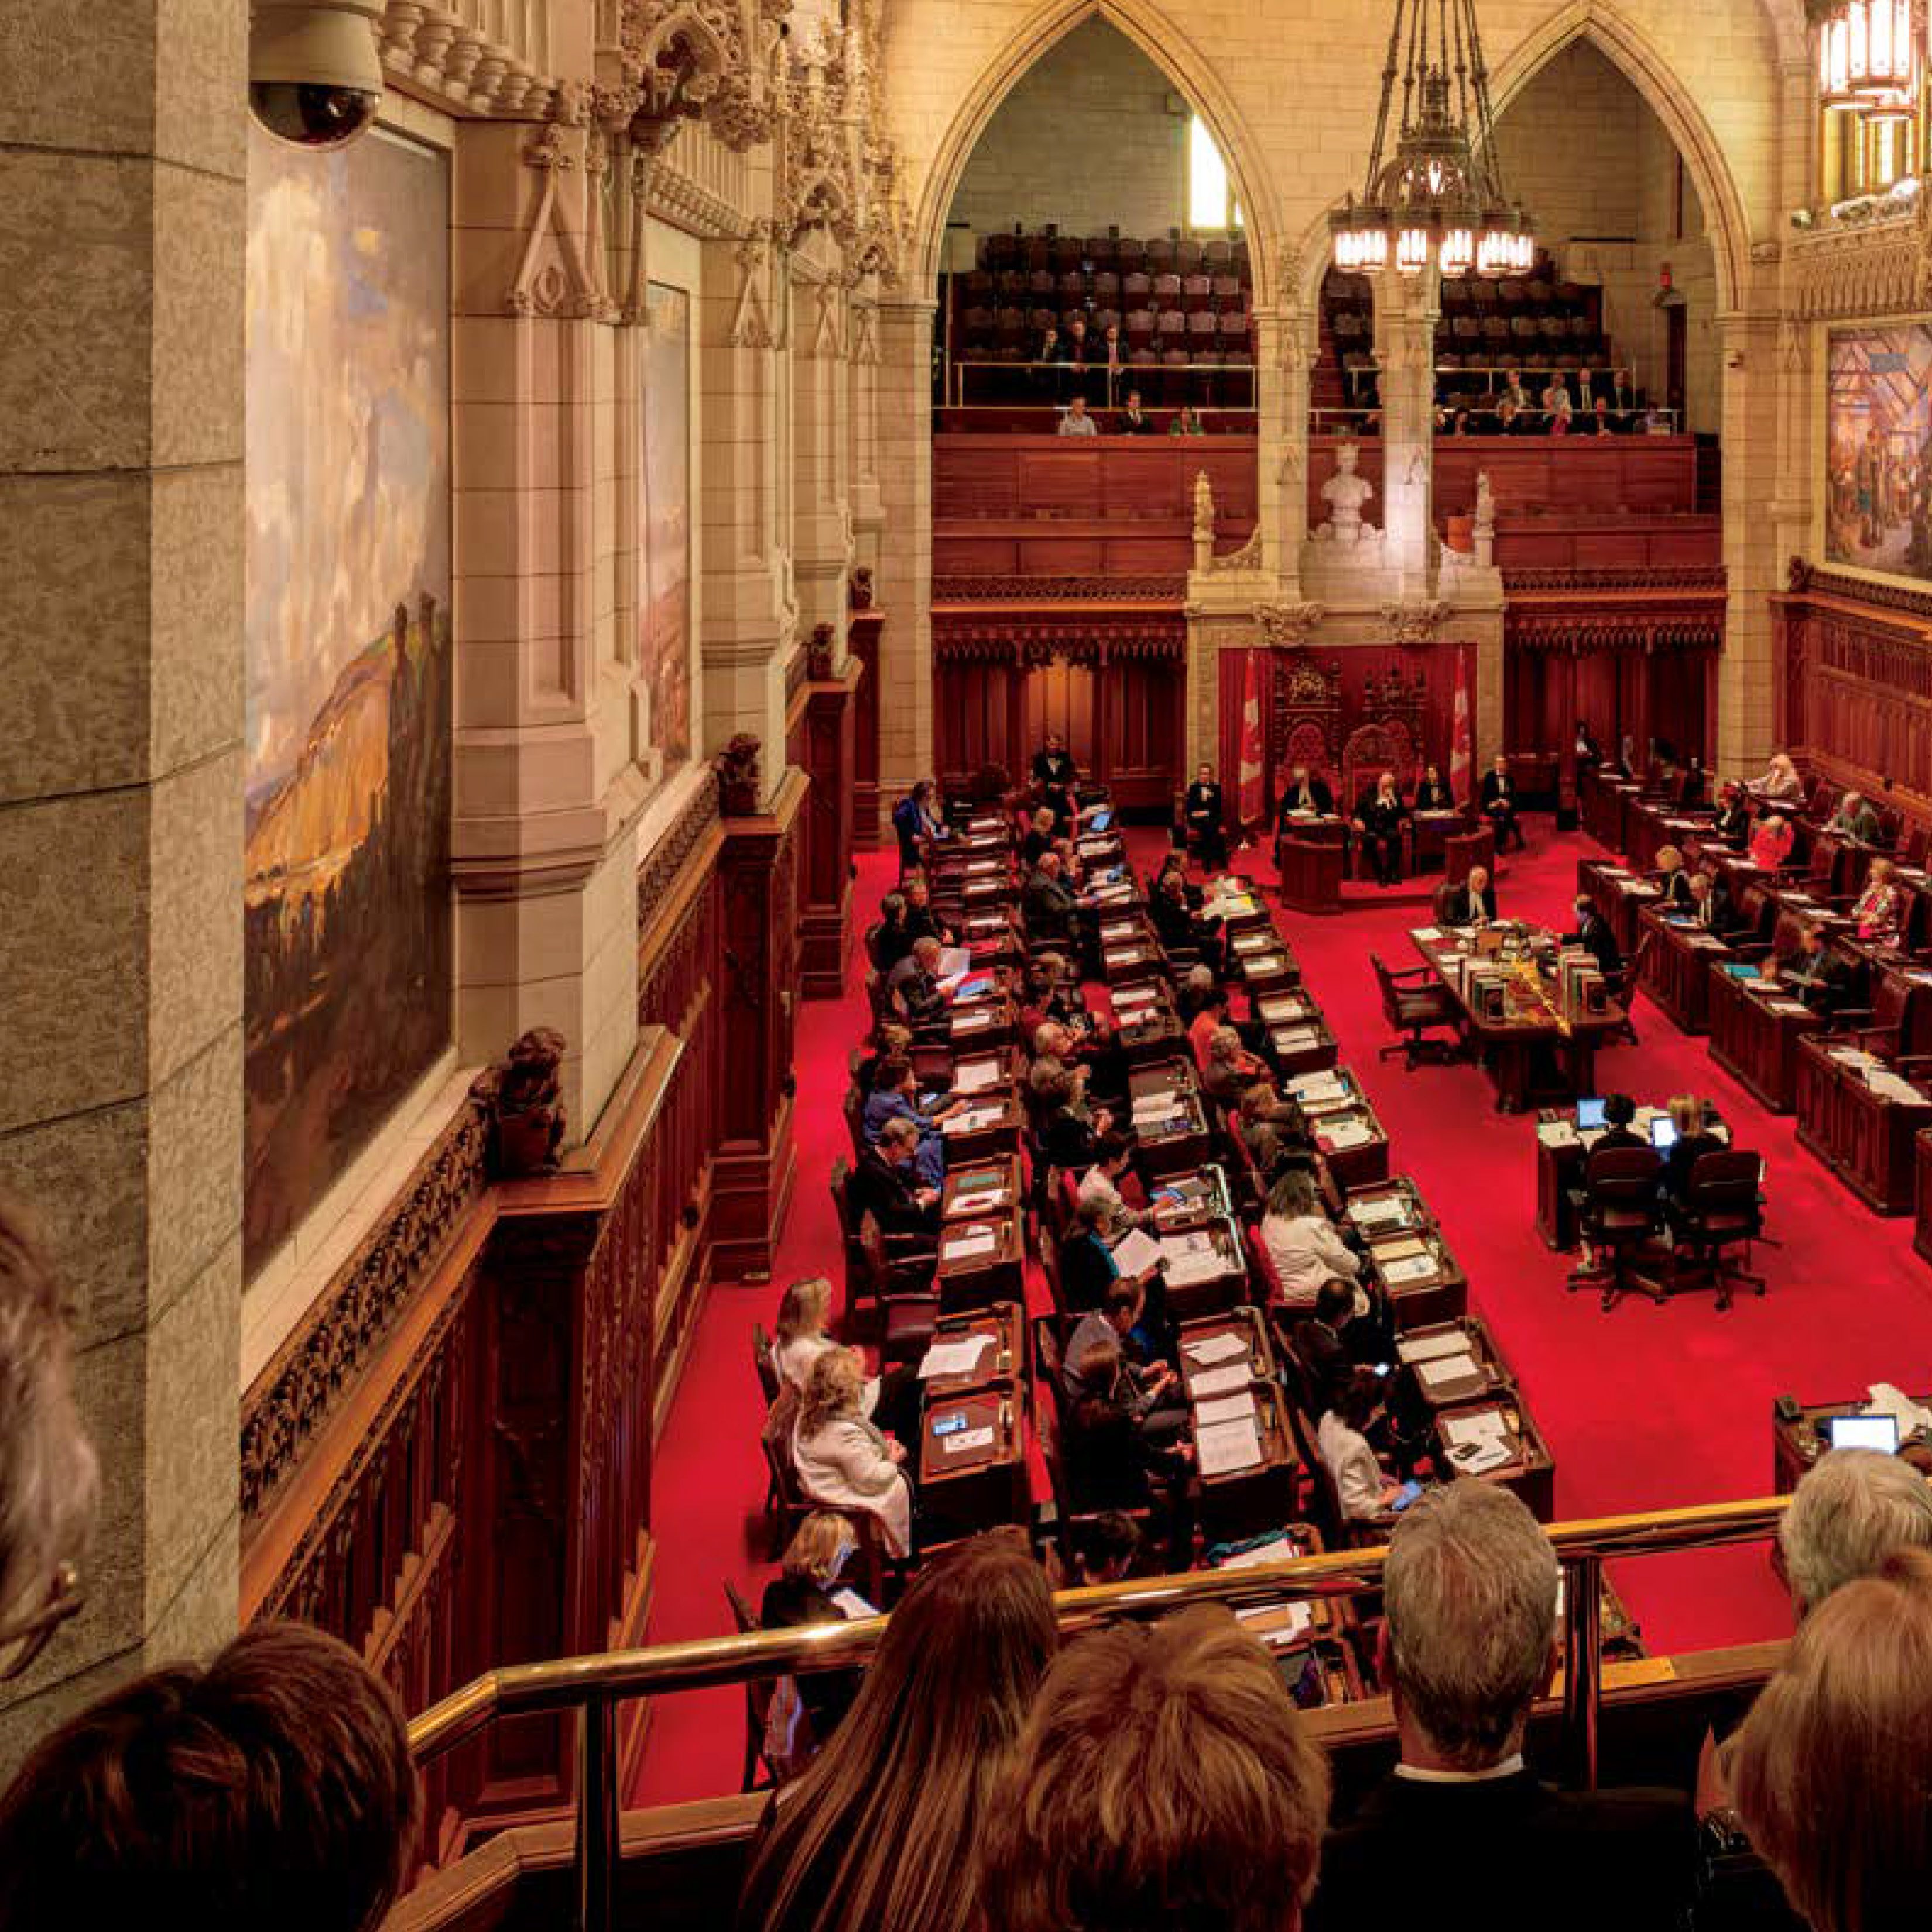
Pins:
x: 1868, y: 58
x: 1439, y: 199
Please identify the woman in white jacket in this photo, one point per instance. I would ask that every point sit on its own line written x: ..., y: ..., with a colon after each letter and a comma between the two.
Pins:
x: 1302, y: 1243
x: 1362, y: 1487
x: 843, y: 1462
x: 805, y: 1317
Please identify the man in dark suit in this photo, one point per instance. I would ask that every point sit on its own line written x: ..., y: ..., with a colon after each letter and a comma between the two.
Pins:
x: 1711, y: 903
x: 1855, y: 820
x: 1135, y: 421
x: 1473, y: 900
x: 1306, y: 793
x: 1817, y: 975
x: 885, y: 1184
x: 1049, y: 905
x: 1201, y: 812
x: 1499, y: 804
x: 1053, y: 764
x: 1733, y: 821
x: 1594, y: 935
x: 1469, y: 1643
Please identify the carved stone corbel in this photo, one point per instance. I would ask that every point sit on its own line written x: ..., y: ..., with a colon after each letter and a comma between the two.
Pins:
x: 1417, y: 622
x: 1286, y: 625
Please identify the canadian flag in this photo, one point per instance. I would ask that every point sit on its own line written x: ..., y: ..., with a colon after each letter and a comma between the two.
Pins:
x: 1459, y: 760
x: 1252, y: 805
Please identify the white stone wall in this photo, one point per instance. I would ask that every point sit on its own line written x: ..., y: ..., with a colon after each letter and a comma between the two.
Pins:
x: 1088, y: 139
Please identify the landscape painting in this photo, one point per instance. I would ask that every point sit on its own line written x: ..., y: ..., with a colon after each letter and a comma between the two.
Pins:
x: 1878, y: 449
x: 664, y: 644
x: 347, y: 957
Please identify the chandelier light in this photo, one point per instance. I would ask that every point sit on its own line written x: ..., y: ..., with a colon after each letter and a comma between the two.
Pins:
x: 1438, y: 198
x: 1868, y: 54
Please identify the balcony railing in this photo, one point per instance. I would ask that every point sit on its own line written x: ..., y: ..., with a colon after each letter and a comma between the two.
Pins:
x: 594, y: 1687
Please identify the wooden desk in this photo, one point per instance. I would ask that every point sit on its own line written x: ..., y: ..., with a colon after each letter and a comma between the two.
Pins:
x: 1244, y: 1502
x: 1600, y: 801
x: 1755, y: 1029
x: 1191, y: 1296
x: 1354, y: 1145
x: 1491, y: 1376
x: 1311, y: 874
x: 1560, y: 1168
x: 994, y: 1185
x: 1531, y: 1470
x: 991, y: 1126
x: 1867, y: 1141
x: 1676, y: 968
x: 1393, y: 1206
x: 1303, y: 1046
x: 986, y: 1075
x: 1002, y: 1360
x: 1179, y: 1142
x: 1619, y: 895
x: 981, y: 1261
x: 960, y: 1491
x: 1149, y: 1028
x: 1421, y: 1300
x: 976, y: 1023
x: 1204, y: 1199
x: 1531, y: 1053
x: 1265, y: 965
x: 1795, y: 1446
x: 1428, y: 834
x: 1241, y: 910
x: 1132, y: 963
x: 1246, y: 1325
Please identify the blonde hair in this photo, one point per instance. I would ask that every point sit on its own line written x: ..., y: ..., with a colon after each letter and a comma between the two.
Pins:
x: 806, y: 1309
x: 1164, y: 1778
x: 1831, y: 1767
x: 1880, y: 870
x: 1668, y: 858
x: 812, y: 1554
x: 1223, y: 1043
x: 1687, y: 1113
x: 833, y: 1390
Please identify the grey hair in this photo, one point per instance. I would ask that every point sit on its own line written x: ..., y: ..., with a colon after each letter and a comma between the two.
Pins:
x: 49, y: 1476
x: 1470, y: 1595
x: 1853, y: 1508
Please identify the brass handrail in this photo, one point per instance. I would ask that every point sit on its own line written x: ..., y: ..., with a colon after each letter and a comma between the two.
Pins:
x: 594, y: 1686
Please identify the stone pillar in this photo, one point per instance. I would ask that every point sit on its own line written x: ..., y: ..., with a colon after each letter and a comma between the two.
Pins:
x: 821, y: 521
x: 122, y: 144
x: 1406, y: 310
x: 1284, y: 358
x: 905, y: 555
x: 749, y: 622
x: 1753, y: 542
x: 544, y: 800
x: 868, y: 509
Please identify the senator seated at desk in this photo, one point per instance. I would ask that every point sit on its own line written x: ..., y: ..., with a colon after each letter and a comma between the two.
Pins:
x: 1878, y: 913
x: 1817, y: 974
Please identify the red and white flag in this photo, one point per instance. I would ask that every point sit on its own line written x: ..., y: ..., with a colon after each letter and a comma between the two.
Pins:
x: 1253, y: 804
x: 1459, y: 760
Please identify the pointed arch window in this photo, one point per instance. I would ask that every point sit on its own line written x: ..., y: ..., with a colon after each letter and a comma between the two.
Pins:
x: 1211, y: 204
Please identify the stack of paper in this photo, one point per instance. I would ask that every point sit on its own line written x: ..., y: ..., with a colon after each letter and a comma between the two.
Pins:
x: 1190, y: 1258
x: 1428, y: 935
x: 1478, y: 1442
x: 1438, y: 1377
x: 1325, y: 1085
x: 981, y: 1195
x: 970, y: 1243
x: 954, y: 1358
x: 970, y: 1121
x: 1276, y: 1549
x: 1278, y: 1625
x: 1208, y: 1349
x: 1225, y: 1408
x: 975, y: 1076
x: 1153, y: 1110
x: 963, y: 1439
x: 1294, y: 1039
x: 1223, y: 1447
x: 1342, y: 1135
x: 1556, y: 1133
x: 1411, y: 1268
x: 1386, y: 1210
x: 953, y: 961
x: 1224, y: 1380
x: 1431, y: 1347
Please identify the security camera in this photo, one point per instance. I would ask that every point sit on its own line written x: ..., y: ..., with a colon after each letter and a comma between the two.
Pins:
x: 315, y: 77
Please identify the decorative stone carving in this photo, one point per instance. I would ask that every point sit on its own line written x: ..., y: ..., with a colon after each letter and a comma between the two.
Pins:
x: 1875, y: 263
x: 861, y: 587
x: 818, y: 653
x: 1485, y: 522
x: 1415, y: 623
x: 559, y: 273
x: 459, y: 66
x: 715, y: 60
x: 1345, y: 493
x: 1204, y: 509
x: 521, y: 1096
x: 1247, y: 557
x: 1289, y: 626
x: 738, y: 776
x: 750, y: 315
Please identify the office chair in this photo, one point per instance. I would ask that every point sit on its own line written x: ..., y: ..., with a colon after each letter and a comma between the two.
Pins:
x: 1413, y: 1001
x: 1620, y: 1214
x: 1722, y: 1208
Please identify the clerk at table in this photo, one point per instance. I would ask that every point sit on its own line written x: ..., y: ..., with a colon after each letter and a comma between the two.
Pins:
x: 1594, y: 935
x: 1694, y: 1140
x: 1471, y: 902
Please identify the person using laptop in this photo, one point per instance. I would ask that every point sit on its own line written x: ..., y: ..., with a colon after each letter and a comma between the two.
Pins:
x: 1684, y: 1144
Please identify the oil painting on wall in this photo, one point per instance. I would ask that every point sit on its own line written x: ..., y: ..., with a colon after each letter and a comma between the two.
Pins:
x: 664, y: 646
x: 348, y: 948
x: 1878, y: 449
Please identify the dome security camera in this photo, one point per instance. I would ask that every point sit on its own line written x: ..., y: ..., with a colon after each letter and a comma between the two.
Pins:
x: 315, y: 77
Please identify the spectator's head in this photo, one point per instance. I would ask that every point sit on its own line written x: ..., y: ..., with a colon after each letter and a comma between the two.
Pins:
x: 1852, y: 1508
x: 1831, y: 1767
x: 1687, y: 1113
x: 1619, y: 1109
x: 273, y: 1787
x: 1133, y: 399
x: 1077, y: 408
x: 1125, y: 1300
x: 835, y: 1389
x: 1602, y: 406
x: 1292, y: 1196
x: 1334, y: 1303
x: 1164, y: 1779
x: 1460, y: 424
x: 1359, y: 1398
x: 1077, y: 328
x: 820, y: 1549
x: 1479, y: 879
x: 1105, y: 1546
x: 881, y: 1830
x: 926, y: 951
x: 1111, y: 1152
x: 899, y: 1142
x: 1224, y: 1044
x: 1299, y: 775
x: 892, y: 908
x: 1850, y: 803
x: 48, y: 1474
x: 806, y: 1307
x: 1469, y: 1631
x: 892, y: 1073
x: 1430, y: 772
x: 1189, y: 415
x: 1111, y: 333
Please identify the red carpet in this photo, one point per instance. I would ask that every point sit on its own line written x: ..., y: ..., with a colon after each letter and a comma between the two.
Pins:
x: 1642, y: 1408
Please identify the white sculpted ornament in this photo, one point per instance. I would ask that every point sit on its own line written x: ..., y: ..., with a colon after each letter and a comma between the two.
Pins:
x: 1345, y: 493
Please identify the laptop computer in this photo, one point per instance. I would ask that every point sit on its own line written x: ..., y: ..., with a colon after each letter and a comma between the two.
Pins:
x: 1590, y: 1115
x: 1863, y: 1432
x: 1663, y: 1133
x: 1102, y: 821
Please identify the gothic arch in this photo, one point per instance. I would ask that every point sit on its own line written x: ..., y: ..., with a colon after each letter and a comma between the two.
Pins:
x: 1675, y: 106
x: 1159, y: 37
